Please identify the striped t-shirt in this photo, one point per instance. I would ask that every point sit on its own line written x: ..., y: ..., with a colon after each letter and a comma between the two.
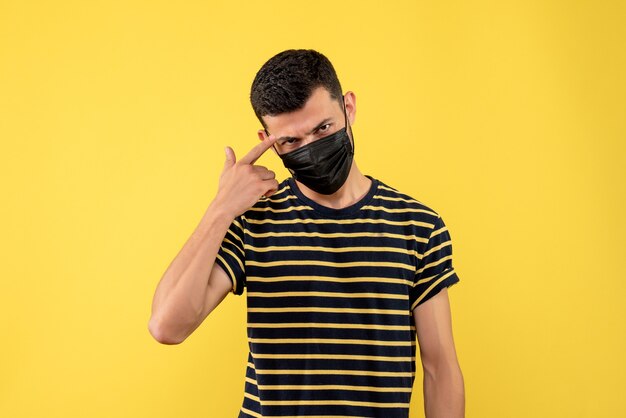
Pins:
x: 330, y: 295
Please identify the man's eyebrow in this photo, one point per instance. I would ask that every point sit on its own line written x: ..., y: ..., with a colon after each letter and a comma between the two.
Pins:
x: 319, y: 125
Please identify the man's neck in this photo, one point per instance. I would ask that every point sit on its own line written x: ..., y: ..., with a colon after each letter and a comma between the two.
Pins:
x: 356, y: 186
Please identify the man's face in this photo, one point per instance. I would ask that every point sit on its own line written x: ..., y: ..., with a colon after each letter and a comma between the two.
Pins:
x: 320, y: 116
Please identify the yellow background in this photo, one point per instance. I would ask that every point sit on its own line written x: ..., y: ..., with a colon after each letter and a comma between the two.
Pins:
x: 507, y: 117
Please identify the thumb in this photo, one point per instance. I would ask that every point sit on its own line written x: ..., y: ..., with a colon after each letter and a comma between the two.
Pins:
x: 230, y: 157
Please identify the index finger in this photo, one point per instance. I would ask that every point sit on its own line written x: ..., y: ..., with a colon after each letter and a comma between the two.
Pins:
x: 258, y: 150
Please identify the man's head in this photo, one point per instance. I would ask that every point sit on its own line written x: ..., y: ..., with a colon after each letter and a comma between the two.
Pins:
x: 298, y: 99
x: 288, y: 79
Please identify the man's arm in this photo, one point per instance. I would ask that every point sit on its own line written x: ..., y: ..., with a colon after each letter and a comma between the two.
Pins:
x: 184, y: 297
x: 193, y: 285
x: 444, y: 393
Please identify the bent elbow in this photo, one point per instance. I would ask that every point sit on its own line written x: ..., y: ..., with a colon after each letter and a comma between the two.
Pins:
x: 158, y: 332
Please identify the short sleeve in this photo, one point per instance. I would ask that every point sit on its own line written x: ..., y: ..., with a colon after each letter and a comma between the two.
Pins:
x: 231, y: 256
x: 434, y: 270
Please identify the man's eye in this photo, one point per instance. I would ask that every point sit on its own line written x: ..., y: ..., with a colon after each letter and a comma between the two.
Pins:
x: 290, y: 141
x: 324, y: 128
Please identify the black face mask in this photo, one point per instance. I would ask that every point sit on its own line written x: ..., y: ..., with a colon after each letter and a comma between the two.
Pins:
x: 322, y: 165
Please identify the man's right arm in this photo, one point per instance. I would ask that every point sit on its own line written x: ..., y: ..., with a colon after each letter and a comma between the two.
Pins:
x: 184, y: 297
x: 193, y: 285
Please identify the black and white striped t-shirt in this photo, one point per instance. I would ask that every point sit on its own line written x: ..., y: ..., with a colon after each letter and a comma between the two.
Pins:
x: 330, y: 295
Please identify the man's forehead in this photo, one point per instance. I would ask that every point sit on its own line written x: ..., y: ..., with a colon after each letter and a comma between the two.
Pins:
x: 318, y: 107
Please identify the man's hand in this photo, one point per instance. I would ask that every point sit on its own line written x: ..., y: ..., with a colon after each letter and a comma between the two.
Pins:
x: 242, y: 183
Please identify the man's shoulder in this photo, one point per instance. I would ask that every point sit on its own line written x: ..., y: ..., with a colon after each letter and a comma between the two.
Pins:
x: 393, y: 198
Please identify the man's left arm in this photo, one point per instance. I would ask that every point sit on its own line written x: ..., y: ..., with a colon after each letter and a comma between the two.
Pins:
x: 444, y: 393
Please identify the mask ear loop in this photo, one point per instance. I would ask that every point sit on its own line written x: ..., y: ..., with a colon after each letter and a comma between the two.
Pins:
x: 345, y: 112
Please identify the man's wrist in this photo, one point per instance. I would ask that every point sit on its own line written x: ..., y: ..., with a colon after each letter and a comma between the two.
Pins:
x: 219, y: 211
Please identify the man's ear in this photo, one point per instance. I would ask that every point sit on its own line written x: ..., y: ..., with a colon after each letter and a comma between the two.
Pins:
x: 350, y: 100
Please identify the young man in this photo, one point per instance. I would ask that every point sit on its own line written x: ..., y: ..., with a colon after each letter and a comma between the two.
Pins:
x: 342, y: 271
